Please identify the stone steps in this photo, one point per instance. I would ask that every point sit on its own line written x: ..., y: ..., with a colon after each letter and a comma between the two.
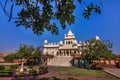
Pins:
x: 60, y: 61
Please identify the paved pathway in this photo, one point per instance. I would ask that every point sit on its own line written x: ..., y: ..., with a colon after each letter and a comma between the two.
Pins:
x: 112, y: 71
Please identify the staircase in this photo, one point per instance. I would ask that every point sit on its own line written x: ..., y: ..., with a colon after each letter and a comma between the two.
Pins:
x: 60, y: 61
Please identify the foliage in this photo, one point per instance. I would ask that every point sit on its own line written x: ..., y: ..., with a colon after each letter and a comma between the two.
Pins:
x: 96, y: 49
x: 9, y: 58
x: 5, y: 72
x: 41, y: 67
x: 30, y: 67
x: 20, y: 74
x: 7, y: 68
x: 36, y: 53
x: 2, y: 67
x: 41, y: 15
x: 32, y: 71
x: 13, y: 67
x: 44, y: 68
x: 26, y: 52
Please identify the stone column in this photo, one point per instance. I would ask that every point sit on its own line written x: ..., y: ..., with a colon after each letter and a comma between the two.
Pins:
x: 69, y: 53
x: 65, y: 53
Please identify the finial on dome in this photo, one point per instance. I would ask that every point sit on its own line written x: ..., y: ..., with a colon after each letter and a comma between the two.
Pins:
x: 97, y: 38
x: 70, y: 32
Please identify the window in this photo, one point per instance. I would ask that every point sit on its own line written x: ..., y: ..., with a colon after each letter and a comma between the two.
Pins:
x: 68, y: 42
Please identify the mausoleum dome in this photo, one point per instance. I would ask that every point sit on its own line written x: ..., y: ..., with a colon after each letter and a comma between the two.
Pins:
x: 75, y: 42
x: 61, y: 42
x: 45, y: 41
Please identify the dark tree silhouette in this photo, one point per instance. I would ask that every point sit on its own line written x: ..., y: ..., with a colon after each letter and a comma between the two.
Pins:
x: 40, y: 15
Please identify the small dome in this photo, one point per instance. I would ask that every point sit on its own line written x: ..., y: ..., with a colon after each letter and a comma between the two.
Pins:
x: 75, y: 42
x: 45, y: 41
x: 97, y: 38
x: 61, y: 42
x: 70, y: 33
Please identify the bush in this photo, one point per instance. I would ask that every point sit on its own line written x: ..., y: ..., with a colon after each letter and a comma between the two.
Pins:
x: 41, y: 67
x: 13, y: 67
x: 20, y: 73
x: 7, y: 68
x: 30, y: 67
x: 2, y: 67
x: 32, y: 71
x: 45, y: 68
x: 5, y: 72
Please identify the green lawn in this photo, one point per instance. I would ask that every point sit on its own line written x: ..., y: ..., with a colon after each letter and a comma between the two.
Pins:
x: 82, y: 72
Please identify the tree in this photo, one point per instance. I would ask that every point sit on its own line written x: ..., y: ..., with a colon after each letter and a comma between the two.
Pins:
x: 97, y: 49
x: 9, y: 58
x: 40, y: 15
x: 25, y: 52
x: 37, y: 53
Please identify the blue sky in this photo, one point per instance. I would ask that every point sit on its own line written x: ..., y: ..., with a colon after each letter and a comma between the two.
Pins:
x: 106, y: 26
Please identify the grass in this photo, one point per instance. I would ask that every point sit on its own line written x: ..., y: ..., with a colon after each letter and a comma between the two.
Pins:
x: 82, y: 72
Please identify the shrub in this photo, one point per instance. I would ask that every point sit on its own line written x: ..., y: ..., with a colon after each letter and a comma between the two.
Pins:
x: 41, y: 67
x: 13, y: 67
x: 20, y: 73
x: 32, y: 71
x: 45, y: 68
x: 2, y: 67
x: 7, y: 68
x: 5, y: 72
x: 30, y: 67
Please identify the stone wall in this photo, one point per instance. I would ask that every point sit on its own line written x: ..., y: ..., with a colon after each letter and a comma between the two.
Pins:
x: 107, y: 62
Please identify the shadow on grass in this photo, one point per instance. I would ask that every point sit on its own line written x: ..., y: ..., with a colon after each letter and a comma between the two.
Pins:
x: 35, y: 78
x: 55, y: 78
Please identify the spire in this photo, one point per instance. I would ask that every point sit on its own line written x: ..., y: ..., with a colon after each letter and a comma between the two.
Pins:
x: 70, y: 32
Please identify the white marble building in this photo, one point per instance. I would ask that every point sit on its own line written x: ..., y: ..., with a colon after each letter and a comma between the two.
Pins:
x: 64, y: 49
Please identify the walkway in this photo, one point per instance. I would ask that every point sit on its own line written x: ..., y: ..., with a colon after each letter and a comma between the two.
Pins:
x: 113, y: 71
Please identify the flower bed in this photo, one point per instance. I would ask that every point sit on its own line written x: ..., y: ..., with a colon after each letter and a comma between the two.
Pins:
x: 5, y: 73
x: 32, y: 72
x: 43, y: 69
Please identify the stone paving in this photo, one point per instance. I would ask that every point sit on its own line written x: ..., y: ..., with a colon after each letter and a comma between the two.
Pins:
x: 113, y: 71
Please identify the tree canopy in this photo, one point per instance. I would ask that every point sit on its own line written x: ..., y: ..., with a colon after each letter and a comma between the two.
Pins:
x: 97, y: 49
x: 40, y: 15
x: 25, y: 52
